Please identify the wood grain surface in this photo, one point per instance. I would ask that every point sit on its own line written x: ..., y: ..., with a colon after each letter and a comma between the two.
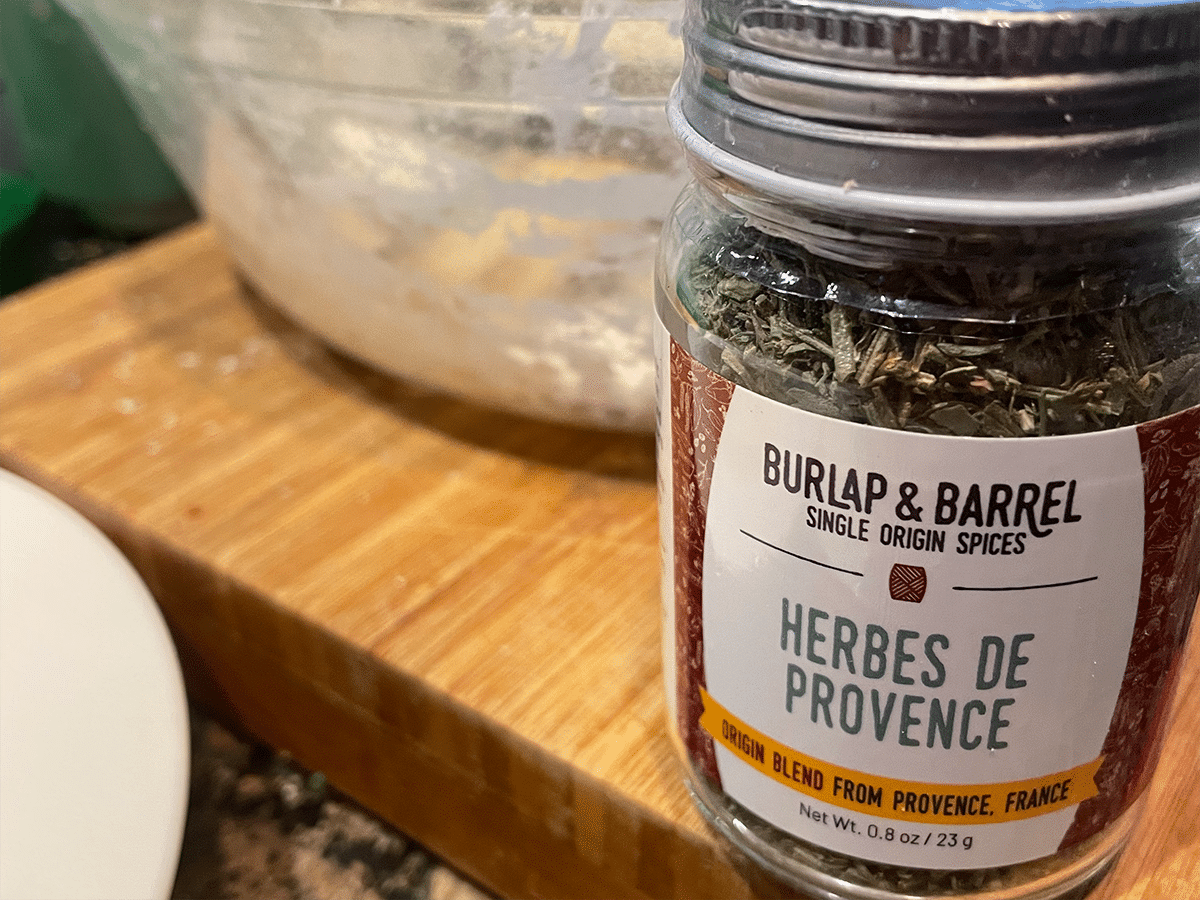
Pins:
x: 451, y: 612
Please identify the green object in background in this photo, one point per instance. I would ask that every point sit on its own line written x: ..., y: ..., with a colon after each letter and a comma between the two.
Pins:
x: 81, y: 142
x: 19, y: 197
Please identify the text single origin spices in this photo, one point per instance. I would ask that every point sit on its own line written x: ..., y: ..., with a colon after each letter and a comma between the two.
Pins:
x: 929, y: 437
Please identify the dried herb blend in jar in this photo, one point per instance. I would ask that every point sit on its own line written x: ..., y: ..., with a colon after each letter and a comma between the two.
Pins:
x: 930, y: 434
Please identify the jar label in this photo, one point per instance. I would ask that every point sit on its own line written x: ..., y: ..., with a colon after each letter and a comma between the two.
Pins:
x: 921, y: 650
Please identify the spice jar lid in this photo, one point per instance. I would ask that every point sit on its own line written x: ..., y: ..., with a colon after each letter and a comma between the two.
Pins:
x: 1062, y: 113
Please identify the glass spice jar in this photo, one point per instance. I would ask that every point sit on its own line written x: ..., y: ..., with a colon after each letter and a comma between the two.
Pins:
x: 929, y: 434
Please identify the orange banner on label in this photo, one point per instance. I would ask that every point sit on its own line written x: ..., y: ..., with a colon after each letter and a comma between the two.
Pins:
x: 890, y: 798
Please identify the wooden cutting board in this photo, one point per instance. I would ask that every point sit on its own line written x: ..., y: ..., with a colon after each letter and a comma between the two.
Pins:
x: 451, y: 612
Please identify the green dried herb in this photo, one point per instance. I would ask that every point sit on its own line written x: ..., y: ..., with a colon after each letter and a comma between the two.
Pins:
x: 1074, y: 351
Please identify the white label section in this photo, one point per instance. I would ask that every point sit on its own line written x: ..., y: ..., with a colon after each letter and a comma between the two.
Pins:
x: 1018, y: 588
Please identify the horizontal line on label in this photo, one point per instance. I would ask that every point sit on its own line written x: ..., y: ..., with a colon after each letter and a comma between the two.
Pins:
x: 1028, y: 587
x: 798, y: 556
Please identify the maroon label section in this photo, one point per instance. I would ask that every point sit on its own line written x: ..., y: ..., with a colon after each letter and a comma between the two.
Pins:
x: 1170, y: 450
x: 699, y: 400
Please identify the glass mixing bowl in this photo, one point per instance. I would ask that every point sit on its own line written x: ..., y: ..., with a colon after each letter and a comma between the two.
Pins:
x: 464, y: 193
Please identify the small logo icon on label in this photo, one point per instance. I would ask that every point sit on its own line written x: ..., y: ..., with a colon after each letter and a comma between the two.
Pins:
x: 907, y: 583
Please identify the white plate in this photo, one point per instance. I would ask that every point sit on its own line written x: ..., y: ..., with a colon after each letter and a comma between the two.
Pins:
x: 94, y: 752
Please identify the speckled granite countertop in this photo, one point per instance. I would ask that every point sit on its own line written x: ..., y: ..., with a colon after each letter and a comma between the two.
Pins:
x: 260, y: 827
